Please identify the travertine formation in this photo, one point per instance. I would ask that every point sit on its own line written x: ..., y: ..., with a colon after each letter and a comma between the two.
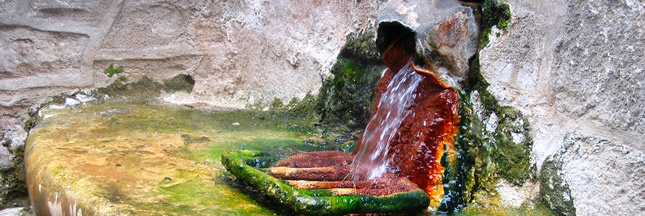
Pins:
x: 422, y: 141
x: 133, y: 159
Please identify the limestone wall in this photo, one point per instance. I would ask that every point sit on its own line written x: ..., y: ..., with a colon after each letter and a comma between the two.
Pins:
x: 575, y: 70
x: 238, y: 52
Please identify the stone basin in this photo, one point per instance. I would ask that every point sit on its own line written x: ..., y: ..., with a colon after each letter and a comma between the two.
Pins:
x: 132, y: 159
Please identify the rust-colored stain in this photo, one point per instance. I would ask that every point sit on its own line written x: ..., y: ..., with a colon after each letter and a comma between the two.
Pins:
x: 416, y: 149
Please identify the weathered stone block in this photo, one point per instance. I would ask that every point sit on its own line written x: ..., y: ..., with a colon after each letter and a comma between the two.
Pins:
x: 604, y: 177
x: 598, y: 72
x: 86, y: 11
x: 446, y: 33
x: 148, y: 24
x: 27, y: 52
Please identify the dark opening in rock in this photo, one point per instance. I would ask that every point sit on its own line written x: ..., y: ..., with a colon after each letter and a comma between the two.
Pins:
x: 389, y: 32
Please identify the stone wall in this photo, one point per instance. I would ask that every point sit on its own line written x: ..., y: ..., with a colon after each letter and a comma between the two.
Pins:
x: 238, y: 52
x: 575, y: 70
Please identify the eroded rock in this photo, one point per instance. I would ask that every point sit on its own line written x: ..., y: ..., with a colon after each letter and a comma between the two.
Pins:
x: 446, y: 33
x: 578, y: 76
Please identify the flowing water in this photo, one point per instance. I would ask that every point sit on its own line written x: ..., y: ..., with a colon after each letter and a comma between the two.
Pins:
x: 372, y: 151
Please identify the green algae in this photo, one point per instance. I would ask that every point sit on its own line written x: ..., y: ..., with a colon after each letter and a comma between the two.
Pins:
x: 13, y: 190
x: 493, y: 13
x: 460, y: 176
x: 181, y: 82
x: 346, y: 99
x: 145, y: 89
x: 512, y: 157
x: 555, y: 194
x: 525, y: 209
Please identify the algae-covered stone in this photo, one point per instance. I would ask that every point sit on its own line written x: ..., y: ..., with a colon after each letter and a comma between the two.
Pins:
x: 145, y: 89
x: 318, y: 202
x: 554, y: 189
x: 12, y: 182
x: 133, y: 159
x: 493, y: 13
x: 347, y: 97
x: 505, y: 130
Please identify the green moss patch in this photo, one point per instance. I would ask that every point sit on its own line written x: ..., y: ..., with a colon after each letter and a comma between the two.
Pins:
x: 510, y: 144
x: 13, y: 190
x: 347, y: 97
x: 555, y: 194
x: 493, y: 13
x: 110, y: 71
x: 145, y: 89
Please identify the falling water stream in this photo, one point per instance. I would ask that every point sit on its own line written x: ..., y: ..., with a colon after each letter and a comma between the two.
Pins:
x: 371, y: 153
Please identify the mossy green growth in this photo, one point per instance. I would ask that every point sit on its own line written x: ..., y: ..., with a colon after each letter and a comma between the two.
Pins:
x: 32, y: 120
x: 555, y: 194
x: 181, y: 82
x: 276, y: 104
x: 485, y: 155
x: 110, y: 71
x: 350, y: 74
x: 307, y: 107
x: 525, y: 209
x: 493, y: 13
x: 510, y: 143
x: 140, y: 145
x: 459, y: 176
x: 346, y: 98
x: 13, y: 189
x: 318, y: 202
x: 145, y: 89
x: 473, y: 176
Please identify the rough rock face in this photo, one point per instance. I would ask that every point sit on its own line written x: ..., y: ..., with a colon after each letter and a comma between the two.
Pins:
x: 238, y: 53
x: 49, y: 47
x: 446, y: 33
x: 213, y: 42
x: 593, y: 166
x: 575, y: 70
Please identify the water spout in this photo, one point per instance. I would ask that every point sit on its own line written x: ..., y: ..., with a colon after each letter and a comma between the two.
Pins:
x: 371, y: 154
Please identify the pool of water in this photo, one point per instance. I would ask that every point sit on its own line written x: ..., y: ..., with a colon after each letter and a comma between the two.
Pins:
x: 121, y: 158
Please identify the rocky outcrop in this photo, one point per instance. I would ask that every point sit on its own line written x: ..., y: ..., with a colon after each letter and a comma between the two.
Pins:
x: 446, y: 33
x: 573, y: 68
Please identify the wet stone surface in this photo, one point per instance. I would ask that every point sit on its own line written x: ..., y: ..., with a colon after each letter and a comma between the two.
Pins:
x: 132, y: 159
